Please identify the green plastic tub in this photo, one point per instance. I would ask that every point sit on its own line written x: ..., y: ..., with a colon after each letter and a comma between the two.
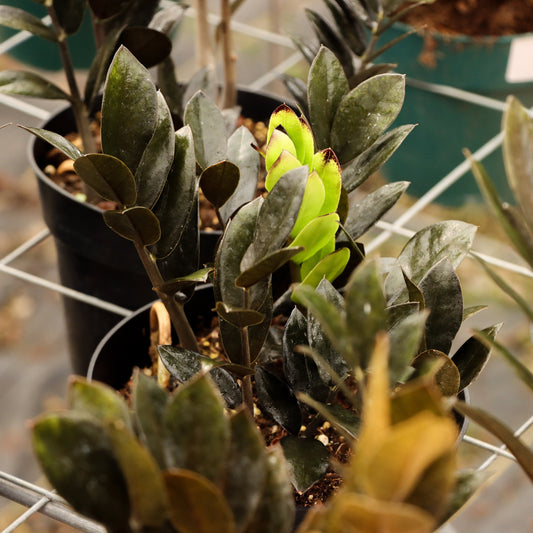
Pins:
x: 494, y: 67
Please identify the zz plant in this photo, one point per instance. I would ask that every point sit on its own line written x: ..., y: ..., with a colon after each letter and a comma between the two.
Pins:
x: 153, y: 174
x: 138, y: 24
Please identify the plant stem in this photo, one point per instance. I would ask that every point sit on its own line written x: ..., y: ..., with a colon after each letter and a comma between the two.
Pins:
x: 247, y: 391
x: 204, y: 48
x: 175, y: 309
x: 229, y: 97
x: 81, y: 114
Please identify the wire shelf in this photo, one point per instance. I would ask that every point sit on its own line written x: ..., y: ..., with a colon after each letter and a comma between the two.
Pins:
x: 40, y: 500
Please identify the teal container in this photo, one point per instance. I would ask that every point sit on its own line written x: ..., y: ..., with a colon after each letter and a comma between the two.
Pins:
x: 494, y: 67
x: 44, y: 54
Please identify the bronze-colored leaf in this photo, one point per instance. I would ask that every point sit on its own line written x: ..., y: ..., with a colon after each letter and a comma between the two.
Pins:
x: 196, y: 504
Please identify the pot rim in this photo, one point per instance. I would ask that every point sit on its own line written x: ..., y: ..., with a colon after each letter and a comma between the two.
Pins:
x: 461, y: 38
x: 464, y: 395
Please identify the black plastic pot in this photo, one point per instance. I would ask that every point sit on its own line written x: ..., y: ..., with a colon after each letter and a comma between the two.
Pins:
x: 126, y: 345
x: 94, y: 260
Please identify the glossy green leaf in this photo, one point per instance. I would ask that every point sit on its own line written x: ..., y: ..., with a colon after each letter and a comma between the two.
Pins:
x: 155, y: 164
x: 362, y: 216
x: 70, y: 14
x: 307, y: 266
x: 76, y: 456
x: 219, y: 181
x: 277, y: 400
x: 209, y: 130
x: 329, y: 267
x: 29, y: 84
x: 277, y: 216
x: 198, y: 405
x: 266, y: 266
x: 473, y: 355
x: 98, y: 400
x: 365, y: 306
x: 443, y: 297
x: 308, y: 461
x: 297, y: 129
x: 184, y: 259
x: 451, y: 239
x: 275, y: 512
x: 332, y: 319
x: 278, y: 144
x: 18, y: 19
x: 326, y: 164
x: 319, y: 340
x: 99, y: 67
x: 108, y: 176
x: 285, y: 162
x: 135, y: 224
x: 522, y: 453
x: 447, y: 376
x: 149, y: 46
x: 315, y: 235
x: 184, y: 364
x: 372, y: 159
x: 178, y: 200
x: 246, y: 468
x: 196, y: 504
x: 241, y: 153
x: 301, y: 371
x: 365, y: 113
x: 327, y: 85
x: 56, y: 140
x: 129, y: 92
x: 235, y: 241
x: 150, y: 401
x: 312, y: 202
x: 405, y: 340
x: 149, y: 505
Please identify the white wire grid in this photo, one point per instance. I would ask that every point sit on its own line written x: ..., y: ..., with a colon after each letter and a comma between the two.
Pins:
x: 38, y: 499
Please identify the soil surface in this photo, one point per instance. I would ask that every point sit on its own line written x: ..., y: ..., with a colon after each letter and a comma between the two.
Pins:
x: 474, y: 17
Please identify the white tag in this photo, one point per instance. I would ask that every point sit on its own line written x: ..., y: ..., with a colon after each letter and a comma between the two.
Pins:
x: 520, y: 63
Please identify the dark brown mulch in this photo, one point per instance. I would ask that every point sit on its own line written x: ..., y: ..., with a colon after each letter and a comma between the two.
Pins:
x: 475, y: 17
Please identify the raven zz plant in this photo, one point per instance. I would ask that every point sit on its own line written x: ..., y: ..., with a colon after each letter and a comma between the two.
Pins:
x: 317, y: 367
x: 137, y: 24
